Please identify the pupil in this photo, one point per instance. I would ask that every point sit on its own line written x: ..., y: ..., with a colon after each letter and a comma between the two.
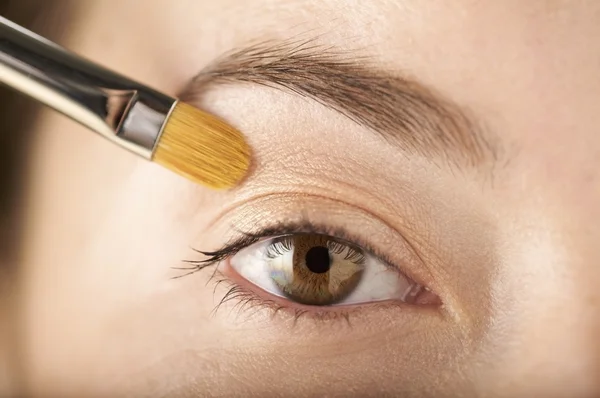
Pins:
x: 317, y: 259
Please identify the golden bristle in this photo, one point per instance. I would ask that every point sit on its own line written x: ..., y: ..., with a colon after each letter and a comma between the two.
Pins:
x: 203, y: 148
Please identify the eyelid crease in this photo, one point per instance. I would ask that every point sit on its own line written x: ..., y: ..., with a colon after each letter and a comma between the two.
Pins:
x: 287, y: 195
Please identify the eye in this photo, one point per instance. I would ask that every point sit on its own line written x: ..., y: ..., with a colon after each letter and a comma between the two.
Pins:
x: 320, y: 270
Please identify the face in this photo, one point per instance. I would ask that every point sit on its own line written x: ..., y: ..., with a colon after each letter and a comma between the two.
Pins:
x: 418, y: 219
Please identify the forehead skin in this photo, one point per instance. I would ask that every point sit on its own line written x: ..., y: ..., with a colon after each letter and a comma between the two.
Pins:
x: 99, y: 318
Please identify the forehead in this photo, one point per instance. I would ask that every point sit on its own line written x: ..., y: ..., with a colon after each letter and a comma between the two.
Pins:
x: 526, y: 70
x: 511, y: 61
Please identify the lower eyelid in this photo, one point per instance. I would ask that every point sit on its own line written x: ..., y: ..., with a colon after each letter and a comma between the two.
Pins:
x: 253, y: 296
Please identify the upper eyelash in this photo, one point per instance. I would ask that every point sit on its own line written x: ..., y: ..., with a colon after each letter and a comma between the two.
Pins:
x: 353, y: 254
x: 284, y: 244
x: 284, y: 228
x: 279, y: 246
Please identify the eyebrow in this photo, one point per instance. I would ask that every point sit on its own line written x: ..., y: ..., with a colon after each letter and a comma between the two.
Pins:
x: 403, y: 111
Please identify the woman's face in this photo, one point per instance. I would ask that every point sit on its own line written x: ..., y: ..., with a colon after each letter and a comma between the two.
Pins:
x: 455, y: 146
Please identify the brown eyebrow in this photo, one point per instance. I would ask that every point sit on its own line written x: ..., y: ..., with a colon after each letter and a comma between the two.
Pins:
x: 401, y: 110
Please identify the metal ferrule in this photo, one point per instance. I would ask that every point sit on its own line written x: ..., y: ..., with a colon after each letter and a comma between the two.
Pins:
x: 114, y: 106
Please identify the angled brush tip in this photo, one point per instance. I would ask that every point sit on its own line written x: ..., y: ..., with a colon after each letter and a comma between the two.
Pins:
x: 203, y: 148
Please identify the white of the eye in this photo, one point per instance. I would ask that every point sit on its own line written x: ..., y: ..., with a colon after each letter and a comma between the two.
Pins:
x: 250, y: 263
x: 377, y: 282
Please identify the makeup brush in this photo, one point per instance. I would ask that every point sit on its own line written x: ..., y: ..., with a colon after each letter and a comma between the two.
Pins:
x: 157, y: 127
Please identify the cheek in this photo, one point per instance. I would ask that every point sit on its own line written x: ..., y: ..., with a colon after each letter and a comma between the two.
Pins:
x: 97, y: 281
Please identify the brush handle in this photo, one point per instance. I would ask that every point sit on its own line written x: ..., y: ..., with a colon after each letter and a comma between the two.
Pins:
x: 118, y: 108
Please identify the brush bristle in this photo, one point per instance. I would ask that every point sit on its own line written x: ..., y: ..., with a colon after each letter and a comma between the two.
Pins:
x: 203, y: 148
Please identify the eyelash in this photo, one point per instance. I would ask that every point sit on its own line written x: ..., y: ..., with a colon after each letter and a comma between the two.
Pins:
x: 285, y: 243
x: 246, y: 299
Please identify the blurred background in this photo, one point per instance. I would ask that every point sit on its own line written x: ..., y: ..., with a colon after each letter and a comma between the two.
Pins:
x: 13, y: 144
x: 16, y: 114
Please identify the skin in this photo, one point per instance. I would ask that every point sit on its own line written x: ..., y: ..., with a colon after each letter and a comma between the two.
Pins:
x: 513, y: 254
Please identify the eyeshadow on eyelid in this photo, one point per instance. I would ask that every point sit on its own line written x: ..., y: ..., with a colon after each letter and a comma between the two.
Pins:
x: 272, y: 211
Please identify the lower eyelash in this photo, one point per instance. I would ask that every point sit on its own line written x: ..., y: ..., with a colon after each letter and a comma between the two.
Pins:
x: 244, y: 301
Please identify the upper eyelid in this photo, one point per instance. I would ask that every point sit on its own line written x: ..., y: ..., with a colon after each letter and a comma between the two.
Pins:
x: 256, y: 200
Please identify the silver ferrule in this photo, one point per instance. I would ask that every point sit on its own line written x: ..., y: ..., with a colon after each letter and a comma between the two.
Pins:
x: 114, y: 106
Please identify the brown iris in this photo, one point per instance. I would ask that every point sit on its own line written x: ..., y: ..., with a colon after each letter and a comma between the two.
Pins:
x: 315, y: 269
